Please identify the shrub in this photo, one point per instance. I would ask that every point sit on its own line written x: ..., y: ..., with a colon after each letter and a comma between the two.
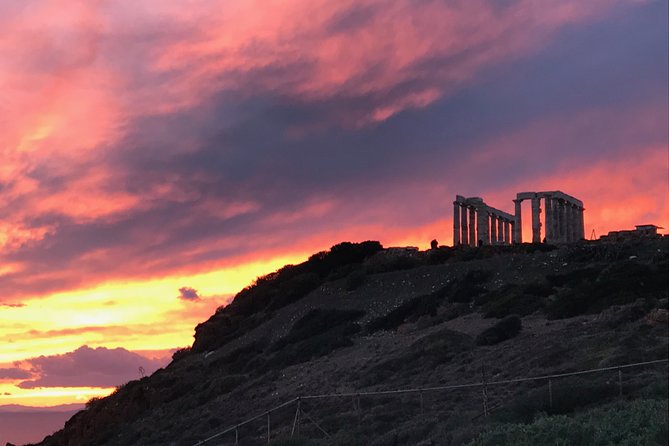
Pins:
x: 477, y: 276
x: 467, y: 288
x: 569, y: 395
x: 505, y: 329
x: 465, y: 292
x: 317, y: 322
x: 409, y: 309
x: 316, y: 334
x: 355, y: 280
x: 181, y: 353
x: 621, y: 283
x: 439, y: 255
x: 514, y: 299
x: 573, y: 278
x: 92, y: 402
x: 311, y: 348
x: 625, y: 423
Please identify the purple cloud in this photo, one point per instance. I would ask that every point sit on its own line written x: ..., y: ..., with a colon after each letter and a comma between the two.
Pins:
x: 187, y: 293
x: 88, y: 367
x: 14, y: 373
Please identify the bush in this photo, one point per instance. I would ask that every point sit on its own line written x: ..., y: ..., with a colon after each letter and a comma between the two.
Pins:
x: 317, y: 322
x: 181, y: 353
x: 514, y: 299
x: 626, y: 423
x: 316, y: 334
x: 439, y: 255
x: 410, y: 309
x: 569, y: 395
x: 621, y: 283
x: 573, y: 278
x: 355, y: 280
x: 465, y: 292
x: 505, y: 329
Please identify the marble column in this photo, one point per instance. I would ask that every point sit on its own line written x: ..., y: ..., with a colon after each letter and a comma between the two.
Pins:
x: 581, y: 223
x: 493, y: 230
x: 472, y: 227
x: 483, y: 222
x: 456, y: 223
x: 507, y: 232
x: 464, y: 226
x: 549, y: 219
x: 500, y: 230
x: 561, y: 221
x: 569, y: 222
x: 518, y: 223
x: 536, y: 220
x: 575, y: 224
x: 555, y: 220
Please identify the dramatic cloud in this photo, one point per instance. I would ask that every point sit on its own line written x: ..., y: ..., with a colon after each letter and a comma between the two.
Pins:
x: 208, y: 142
x: 132, y: 134
x: 186, y: 293
x: 88, y: 367
x: 14, y: 373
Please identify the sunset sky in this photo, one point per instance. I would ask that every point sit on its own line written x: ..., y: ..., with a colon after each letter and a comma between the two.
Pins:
x: 157, y: 156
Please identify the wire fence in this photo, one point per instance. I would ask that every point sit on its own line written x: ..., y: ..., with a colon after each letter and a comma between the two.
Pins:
x: 300, y: 416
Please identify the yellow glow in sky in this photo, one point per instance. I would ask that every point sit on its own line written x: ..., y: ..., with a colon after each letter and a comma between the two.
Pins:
x: 138, y: 316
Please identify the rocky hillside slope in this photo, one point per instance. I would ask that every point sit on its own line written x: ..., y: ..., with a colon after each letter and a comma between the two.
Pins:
x: 360, y: 318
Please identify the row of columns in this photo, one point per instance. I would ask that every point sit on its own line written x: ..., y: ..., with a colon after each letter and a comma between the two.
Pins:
x: 564, y: 220
x: 474, y: 225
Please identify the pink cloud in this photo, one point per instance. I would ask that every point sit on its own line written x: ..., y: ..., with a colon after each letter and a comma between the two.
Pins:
x: 88, y: 367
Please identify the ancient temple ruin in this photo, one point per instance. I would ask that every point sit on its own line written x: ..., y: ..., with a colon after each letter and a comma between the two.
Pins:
x: 476, y: 223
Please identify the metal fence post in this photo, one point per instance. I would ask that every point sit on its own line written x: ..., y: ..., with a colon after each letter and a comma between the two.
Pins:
x: 422, y: 404
x: 296, y: 421
x: 268, y: 428
x: 620, y: 382
x: 357, y: 399
x: 485, y: 391
x: 236, y: 435
x: 550, y: 393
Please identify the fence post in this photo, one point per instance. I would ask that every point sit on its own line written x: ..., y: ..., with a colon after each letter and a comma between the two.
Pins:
x: 268, y: 428
x: 236, y: 435
x: 485, y: 391
x: 620, y: 382
x: 357, y: 399
x: 550, y: 393
x: 422, y: 404
x: 296, y: 421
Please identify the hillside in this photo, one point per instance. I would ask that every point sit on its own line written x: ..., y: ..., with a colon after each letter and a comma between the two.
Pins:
x: 360, y: 318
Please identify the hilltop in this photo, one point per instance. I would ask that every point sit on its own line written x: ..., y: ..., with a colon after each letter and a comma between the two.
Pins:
x: 361, y: 318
